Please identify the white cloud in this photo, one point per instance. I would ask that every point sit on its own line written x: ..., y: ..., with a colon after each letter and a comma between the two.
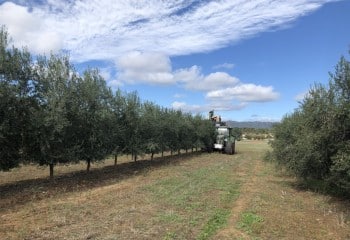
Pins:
x: 153, y: 68
x: 245, y: 93
x: 107, y: 74
x: 178, y: 105
x: 188, y: 75
x: 217, y: 80
x: 107, y: 29
x: 221, y: 89
x: 193, y: 79
x: 17, y: 19
x: 27, y: 29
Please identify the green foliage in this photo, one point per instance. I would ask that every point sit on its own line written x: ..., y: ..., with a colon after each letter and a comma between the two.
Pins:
x: 18, y: 104
x: 340, y: 170
x: 197, y: 197
x: 150, y: 130
x: 237, y: 133
x: 170, y: 235
x: 250, y: 222
x: 313, y: 142
x: 207, y: 134
x: 256, y: 133
x: 94, y: 117
x: 131, y: 118
x: 54, y: 80
x: 51, y: 114
x: 218, y: 220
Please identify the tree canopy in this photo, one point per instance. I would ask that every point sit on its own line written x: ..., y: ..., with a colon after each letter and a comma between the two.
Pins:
x: 314, y: 141
x: 50, y: 114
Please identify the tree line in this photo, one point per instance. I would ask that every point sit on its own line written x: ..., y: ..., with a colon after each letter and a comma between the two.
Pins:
x: 313, y: 142
x: 50, y: 114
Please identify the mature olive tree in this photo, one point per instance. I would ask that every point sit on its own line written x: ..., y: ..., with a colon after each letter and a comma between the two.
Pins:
x: 56, y: 76
x: 131, y: 118
x: 313, y: 142
x: 340, y: 83
x: 94, y: 117
x: 150, y: 128
x: 117, y: 127
x: 18, y: 104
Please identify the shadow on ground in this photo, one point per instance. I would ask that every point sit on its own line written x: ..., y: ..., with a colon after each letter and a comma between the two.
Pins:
x: 13, y: 195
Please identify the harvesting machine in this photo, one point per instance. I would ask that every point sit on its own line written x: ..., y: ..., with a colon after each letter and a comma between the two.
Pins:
x: 225, y: 141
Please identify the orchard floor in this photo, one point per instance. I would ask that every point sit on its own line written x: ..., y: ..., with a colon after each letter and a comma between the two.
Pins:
x: 190, y: 196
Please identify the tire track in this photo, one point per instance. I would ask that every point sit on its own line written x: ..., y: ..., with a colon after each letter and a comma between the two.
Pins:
x: 248, y: 190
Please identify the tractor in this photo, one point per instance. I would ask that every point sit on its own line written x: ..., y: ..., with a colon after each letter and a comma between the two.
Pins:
x: 225, y: 141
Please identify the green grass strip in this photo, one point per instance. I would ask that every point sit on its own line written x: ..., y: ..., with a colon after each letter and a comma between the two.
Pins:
x: 217, y: 221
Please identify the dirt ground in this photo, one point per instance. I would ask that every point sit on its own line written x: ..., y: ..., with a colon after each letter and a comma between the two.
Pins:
x: 181, y: 197
x: 286, y: 210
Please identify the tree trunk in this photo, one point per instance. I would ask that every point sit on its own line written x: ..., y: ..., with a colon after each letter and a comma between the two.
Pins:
x: 162, y: 153
x: 88, y: 165
x: 178, y: 152
x: 152, y: 155
x: 115, y: 159
x: 135, y: 158
x: 51, y: 170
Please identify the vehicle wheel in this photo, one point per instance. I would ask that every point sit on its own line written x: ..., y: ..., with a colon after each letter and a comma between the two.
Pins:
x: 233, y: 147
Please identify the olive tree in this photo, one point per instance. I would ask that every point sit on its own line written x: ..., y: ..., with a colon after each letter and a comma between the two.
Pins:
x: 18, y: 104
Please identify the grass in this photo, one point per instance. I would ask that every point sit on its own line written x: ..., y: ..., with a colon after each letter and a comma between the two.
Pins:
x: 216, y: 221
x: 198, y: 196
x: 250, y: 222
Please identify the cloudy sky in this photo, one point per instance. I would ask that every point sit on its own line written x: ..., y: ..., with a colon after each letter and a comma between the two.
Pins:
x: 247, y: 60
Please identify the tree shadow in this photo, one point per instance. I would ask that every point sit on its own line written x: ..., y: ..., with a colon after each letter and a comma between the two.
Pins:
x: 16, y: 194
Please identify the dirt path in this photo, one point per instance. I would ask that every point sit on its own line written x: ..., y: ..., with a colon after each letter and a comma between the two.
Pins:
x: 249, y: 176
x: 285, y: 210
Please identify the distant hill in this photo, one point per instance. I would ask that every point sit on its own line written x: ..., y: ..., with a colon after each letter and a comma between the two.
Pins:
x: 261, y: 125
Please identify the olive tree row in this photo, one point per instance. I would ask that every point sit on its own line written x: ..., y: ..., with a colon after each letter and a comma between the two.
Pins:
x: 314, y: 141
x: 49, y: 114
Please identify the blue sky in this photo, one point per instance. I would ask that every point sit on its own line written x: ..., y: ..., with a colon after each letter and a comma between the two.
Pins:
x: 247, y: 60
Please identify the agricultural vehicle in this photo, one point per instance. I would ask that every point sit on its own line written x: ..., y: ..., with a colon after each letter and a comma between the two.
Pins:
x: 225, y: 141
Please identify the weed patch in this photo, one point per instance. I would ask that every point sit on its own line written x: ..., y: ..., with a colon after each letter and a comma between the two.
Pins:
x: 218, y: 220
x: 250, y: 222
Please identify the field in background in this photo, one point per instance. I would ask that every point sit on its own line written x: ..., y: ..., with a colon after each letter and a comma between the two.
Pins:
x: 194, y: 196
